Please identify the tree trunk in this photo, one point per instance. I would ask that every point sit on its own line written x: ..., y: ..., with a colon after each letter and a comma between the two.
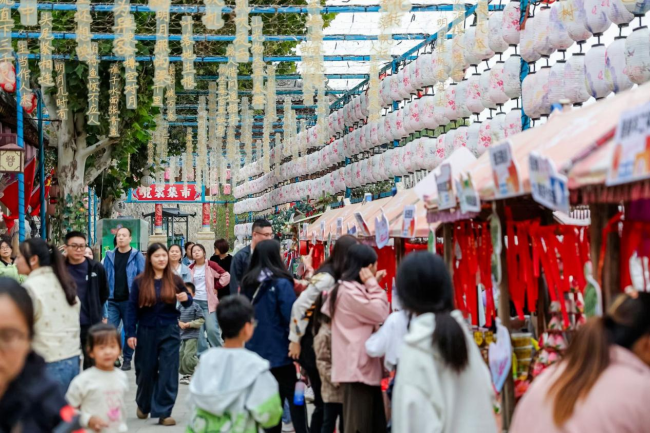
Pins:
x: 106, y: 207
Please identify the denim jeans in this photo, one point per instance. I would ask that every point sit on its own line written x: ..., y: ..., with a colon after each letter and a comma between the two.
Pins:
x: 63, y: 371
x: 212, y: 327
x: 117, y: 314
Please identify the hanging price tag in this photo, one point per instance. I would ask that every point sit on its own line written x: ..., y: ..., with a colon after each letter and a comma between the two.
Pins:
x: 304, y: 229
x: 365, y: 231
x: 321, y: 232
x: 408, y: 221
x: 313, y: 238
x: 352, y: 229
x: 467, y: 195
x: 631, y: 158
x: 381, y: 231
x: 444, y: 184
x: 549, y: 188
x: 505, y: 171
x: 339, y: 227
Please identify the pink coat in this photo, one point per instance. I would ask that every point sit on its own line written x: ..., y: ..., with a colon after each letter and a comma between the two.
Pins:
x: 359, y: 310
x: 215, y: 278
x: 617, y: 403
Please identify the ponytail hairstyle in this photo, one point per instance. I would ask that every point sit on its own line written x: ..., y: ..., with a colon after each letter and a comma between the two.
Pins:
x: 171, y: 283
x: 588, y: 355
x: 424, y: 286
x: 359, y: 256
x: 50, y: 256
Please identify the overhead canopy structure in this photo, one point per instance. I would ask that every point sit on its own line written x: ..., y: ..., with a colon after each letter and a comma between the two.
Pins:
x: 171, y: 216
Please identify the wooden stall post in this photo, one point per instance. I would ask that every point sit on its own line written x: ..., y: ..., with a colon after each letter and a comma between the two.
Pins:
x: 448, y: 245
x: 600, y: 215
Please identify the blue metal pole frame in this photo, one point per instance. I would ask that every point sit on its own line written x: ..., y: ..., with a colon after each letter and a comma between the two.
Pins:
x: 525, y: 69
x: 21, y: 143
x: 41, y: 164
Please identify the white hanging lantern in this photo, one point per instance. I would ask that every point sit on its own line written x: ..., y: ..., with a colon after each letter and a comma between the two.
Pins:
x: 450, y: 138
x: 497, y: 128
x: 484, y: 138
x: 440, y: 108
x: 511, y: 77
x: 637, y: 55
x: 513, y: 123
x: 485, y: 90
x: 574, y: 17
x: 495, y: 38
x: 598, y: 84
x: 527, y: 45
x: 618, y: 13
x: 473, y: 95
x: 461, y: 100
x: 407, y: 87
x: 511, y: 22
x: 574, y: 79
x: 556, y: 85
x: 597, y: 19
x: 472, y: 137
x: 615, y: 59
x: 469, y: 42
x: 558, y: 34
x: 496, y: 92
x: 425, y: 64
x: 451, y: 110
x: 426, y: 109
x: 637, y: 7
x: 415, y: 75
x: 461, y: 137
x: 528, y: 101
x: 542, y: 90
x: 482, y: 47
x: 438, y: 152
x: 542, y: 29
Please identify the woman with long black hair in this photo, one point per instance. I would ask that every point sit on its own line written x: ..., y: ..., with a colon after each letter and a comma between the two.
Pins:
x: 301, y: 346
x: 56, y: 308
x: 357, y: 305
x: 152, y: 326
x: 442, y: 383
x: 269, y: 286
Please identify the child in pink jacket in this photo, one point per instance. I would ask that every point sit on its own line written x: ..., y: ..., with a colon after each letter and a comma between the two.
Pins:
x: 357, y: 305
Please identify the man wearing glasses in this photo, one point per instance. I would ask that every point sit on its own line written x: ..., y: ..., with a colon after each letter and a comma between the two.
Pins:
x: 262, y: 231
x: 92, y: 288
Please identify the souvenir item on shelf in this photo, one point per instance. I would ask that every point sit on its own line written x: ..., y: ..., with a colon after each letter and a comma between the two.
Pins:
x: 615, y: 61
x: 596, y: 14
x: 511, y: 77
x: 598, y: 84
x: 574, y: 17
x: 511, y: 20
x: 574, y: 79
x: 637, y: 55
x: 495, y: 38
x: 473, y: 94
x: 496, y: 92
x: 527, y: 45
x: 558, y: 34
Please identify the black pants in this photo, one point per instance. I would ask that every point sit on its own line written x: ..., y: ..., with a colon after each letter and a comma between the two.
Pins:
x: 88, y: 362
x: 332, y: 411
x: 156, y: 369
x: 286, y: 377
x: 363, y: 408
x: 308, y: 362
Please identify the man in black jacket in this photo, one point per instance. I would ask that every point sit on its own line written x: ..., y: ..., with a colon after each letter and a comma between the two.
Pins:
x: 92, y: 287
x: 262, y: 231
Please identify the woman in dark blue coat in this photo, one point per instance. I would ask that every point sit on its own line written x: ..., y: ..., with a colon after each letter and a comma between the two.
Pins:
x: 269, y: 286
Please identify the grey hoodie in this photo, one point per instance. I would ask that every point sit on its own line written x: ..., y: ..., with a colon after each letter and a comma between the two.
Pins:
x: 233, y: 390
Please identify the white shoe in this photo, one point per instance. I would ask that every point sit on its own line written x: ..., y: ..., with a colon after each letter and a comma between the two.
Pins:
x: 185, y: 380
x: 288, y: 427
x: 309, y: 394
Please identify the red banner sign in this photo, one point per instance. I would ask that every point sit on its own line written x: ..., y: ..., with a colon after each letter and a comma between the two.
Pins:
x: 206, y: 215
x: 166, y: 192
x: 159, y: 220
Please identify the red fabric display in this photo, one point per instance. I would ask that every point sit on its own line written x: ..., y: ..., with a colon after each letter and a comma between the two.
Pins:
x: 409, y: 248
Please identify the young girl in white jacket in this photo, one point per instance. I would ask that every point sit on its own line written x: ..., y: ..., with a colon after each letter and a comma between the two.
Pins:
x: 442, y: 384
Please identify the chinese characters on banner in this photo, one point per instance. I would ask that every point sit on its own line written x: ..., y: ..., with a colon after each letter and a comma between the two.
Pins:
x: 548, y: 187
x: 167, y: 192
x: 631, y: 159
x: 505, y: 171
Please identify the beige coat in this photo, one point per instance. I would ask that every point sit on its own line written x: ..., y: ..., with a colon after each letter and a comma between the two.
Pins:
x: 323, y: 350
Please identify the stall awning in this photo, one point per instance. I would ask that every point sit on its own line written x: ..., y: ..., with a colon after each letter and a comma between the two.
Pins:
x: 566, y: 138
x: 460, y: 161
x: 422, y: 227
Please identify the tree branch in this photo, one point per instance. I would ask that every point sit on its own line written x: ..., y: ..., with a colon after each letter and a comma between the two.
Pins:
x: 101, y: 144
x: 99, y: 166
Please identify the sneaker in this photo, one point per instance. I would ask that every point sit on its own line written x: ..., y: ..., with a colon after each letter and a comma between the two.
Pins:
x: 169, y: 421
x: 288, y: 427
x: 141, y: 415
x: 309, y: 394
x: 185, y: 380
x: 126, y: 366
x: 118, y: 364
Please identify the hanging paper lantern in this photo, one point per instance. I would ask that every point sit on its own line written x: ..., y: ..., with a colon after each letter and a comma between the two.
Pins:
x: 597, y: 19
x: 574, y: 79
x: 558, y: 34
x: 459, y: 63
x: 395, y: 85
x: 638, y: 7
x: 498, y: 128
x: 513, y: 123
x: 473, y: 95
x: 469, y: 42
x: 618, y: 13
x: 429, y: 147
x: 542, y: 30
x: 485, y: 90
x: 511, y: 77
x: 426, y: 110
x: 484, y: 139
x: 461, y: 137
x: 542, y: 90
x: 496, y: 91
x: 376, y: 173
x: 473, y: 137
x: 511, y: 22
x: 441, y: 150
x: 425, y: 64
x: 406, y: 89
x: 528, y: 96
x: 527, y: 45
x: 556, y: 82
x: 461, y: 100
x: 415, y: 75
x: 495, y: 38
x: 440, y: 108
x: 615, y: 59
x: 418, y: 153
x: 439, y: 65
x: 407, y: 118
x: 482, y: 44
x: 450, y: 138
x: 7, y: 77
x: 596, y: 72
x: 574, y: 17
x: 451, y: 110
x: 406, y: 154
x: 637, y: 55
x: 416, y: 121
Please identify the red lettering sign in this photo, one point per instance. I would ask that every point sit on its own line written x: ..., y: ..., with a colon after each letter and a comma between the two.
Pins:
x: 166, y: 192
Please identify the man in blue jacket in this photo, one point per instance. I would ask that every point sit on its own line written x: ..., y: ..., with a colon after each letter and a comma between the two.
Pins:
x: 122, y: 265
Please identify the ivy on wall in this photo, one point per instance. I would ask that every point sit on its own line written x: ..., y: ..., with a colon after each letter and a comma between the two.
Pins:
x: 222, y: 219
